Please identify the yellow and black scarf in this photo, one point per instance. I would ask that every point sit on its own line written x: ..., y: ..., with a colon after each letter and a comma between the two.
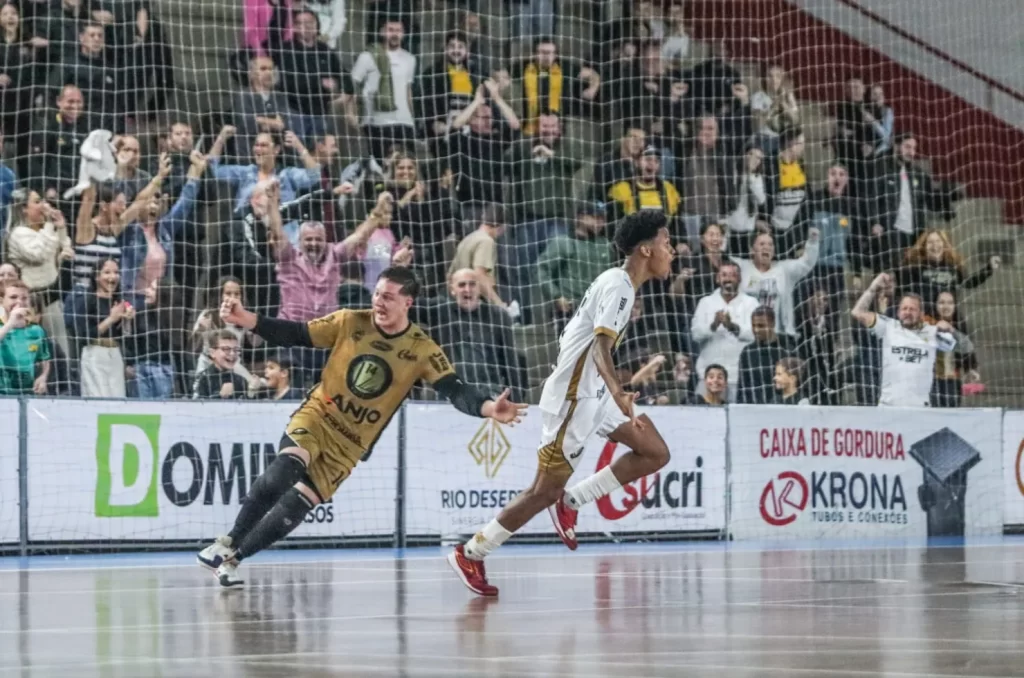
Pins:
x: 535, y: 81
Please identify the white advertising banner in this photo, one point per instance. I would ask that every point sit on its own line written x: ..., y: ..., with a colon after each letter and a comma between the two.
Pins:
x: 812, y: 473
x: 462, y: 471
x: 1013, y: 468
x: 9, y: 427
x: 139, y: 471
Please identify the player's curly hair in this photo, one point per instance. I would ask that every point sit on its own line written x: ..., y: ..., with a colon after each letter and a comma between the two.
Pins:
x: 404, y: 277
x: 638, y: 228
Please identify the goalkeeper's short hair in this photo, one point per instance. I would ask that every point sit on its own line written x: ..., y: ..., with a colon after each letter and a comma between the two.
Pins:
x: 638, y: 228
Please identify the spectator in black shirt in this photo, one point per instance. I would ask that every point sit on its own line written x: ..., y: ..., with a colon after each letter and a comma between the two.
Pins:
x: 143, y: 53
x: 99, y: 319
x: 91, y: 70
x: 54, y: 30
x: 448, y: 87
x: 262, y: 109
x: 157, y: 338
x: 220, y: 380
x: 787, y: 383
x: 711, y: 82
x: 716, y: 387
x: 247, y: 250
x: 55, y: 144
x: 16, y: 73
x: 758, y: 360
x: 276, y: 383
x: 311, y: 73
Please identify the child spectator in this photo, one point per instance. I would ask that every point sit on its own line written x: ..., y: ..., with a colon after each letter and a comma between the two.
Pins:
x: 953, y: 370
x: 220, y: 379
x: 209, y: 322
x: 24, y: 349
x: 276, y: 383
x: 100, y: 320
x: 787, y: 382
x: 716, y: 387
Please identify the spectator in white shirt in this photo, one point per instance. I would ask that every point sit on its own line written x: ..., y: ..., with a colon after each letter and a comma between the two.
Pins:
x: 909, y: 346
x: 748, y: 198
x: 721, y: 324
x: 386, y: 72
x: 771, y: 283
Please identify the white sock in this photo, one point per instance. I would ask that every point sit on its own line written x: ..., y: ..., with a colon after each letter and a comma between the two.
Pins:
x: 486, y: 540
x: 591, y: 489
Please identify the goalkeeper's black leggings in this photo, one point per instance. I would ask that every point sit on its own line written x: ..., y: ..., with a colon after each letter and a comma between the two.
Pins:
x: 283, y: 473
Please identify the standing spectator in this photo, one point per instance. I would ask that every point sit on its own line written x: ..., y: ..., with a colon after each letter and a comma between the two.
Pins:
x: 257, y: 15
x: 331, y: 18
x: 9, y: 272
x: 97, y: 238
x: 953, y: 370
x: 705, y: 174
x: 100, y: 320
x: 748, y: 198
x: 722, y: 322
x: 773, y: 282
x: 854, y: 137
x: 55, y: 145
x: 475, y: 157
x: 880, y: 116
x: 220, y: 380
x: 178, y: 144
x: 147, y: 244
x: 262, y: 109
x: 531, y: 19
x: 642, y: 90
x: 758, y: 360
x: 448, y: 87
x: 7, y: 185
x: 619, y: 165
x: 478, y: 252
x: 386, y: 72
x: 571, y: 262
x: 715, y: 391
x: 933, y: 266
x: 696, y: 275
x: 154, y: 340
x: 382, y: 248
x: 54, y: 29
x: 820, y: 374
x: 552, y: 84
x: 209, y: 323
x: 786, y: 186
x: 646, y: 189
x: 787, y: 383
x: 129, y: 179
x: 542, y: 176
x: 24, y: 349
x: 903, y: 196
x: 675, y: 44
x: 143, y: 53
x: 311, y: 73
x: 37, y: 243
x: 276, y: 383
x: 774, y: 105
x: 17, y: 62
x: 477, y: 338
x: 909, y: 347
x: 91, y: 70
x: 711, y: 82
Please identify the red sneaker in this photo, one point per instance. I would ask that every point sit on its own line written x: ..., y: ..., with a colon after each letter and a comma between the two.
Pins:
x: 564, y: 518
x: 471, y: 572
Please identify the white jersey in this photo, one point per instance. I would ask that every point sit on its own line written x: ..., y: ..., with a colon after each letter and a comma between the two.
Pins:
x: 605, y: 309
x: 908, y: 361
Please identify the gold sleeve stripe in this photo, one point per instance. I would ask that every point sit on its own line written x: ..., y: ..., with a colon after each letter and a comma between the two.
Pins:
x: 577, y: 373
x: 606, y: 332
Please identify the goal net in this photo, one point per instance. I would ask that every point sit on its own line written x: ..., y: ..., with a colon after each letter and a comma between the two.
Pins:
x: 159, y: 157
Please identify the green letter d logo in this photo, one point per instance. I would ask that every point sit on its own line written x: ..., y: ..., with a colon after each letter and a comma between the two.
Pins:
x: 127, y: 447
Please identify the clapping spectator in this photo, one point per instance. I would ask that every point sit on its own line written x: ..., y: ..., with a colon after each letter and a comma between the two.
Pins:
x: 92, y: 70
x: 787, y: 382
x: 722, y: 322
x: 262, y: 109
x: 311, y: 73
x: 55, y: 161
x: 774, y: 106
x: 220, y: 379
x: 24, y: 348
x: 571, y: 262
x: 715, y: 391
x: 386, y: 72
x: 276, y: 383
x: 787, y: 191
x: 758, y: 360
x: 933, y: 266
x: 552, y: 84
x: 38, y: 243
x: 101, y: 319
x: 773, y: 282
x: 449, y: 86
x: 953, y: 370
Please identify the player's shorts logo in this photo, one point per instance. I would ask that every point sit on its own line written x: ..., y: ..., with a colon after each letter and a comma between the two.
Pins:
x: 784, y: 498
x: 489, y: 447
x: 127, y: 456
x: 368, y: 376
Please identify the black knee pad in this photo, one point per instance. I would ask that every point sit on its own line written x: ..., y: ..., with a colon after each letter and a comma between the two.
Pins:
x: 282, y: 474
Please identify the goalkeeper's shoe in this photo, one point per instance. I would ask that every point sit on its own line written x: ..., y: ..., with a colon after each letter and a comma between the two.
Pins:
x: 216, y: 554
x: 471, y: 572
x: 227, y: 574
x: 564, y: 518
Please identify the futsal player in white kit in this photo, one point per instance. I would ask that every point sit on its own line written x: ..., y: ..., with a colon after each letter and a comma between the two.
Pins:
x: 909, y: 346
x: 583, y: 396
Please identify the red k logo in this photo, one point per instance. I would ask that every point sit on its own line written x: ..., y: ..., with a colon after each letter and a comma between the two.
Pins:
x: 784, y: 498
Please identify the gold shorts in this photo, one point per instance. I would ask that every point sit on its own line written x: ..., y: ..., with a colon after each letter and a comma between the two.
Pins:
x: 331, y: 457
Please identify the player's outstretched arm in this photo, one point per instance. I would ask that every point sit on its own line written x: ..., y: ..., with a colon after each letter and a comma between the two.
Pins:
x: 273, y: 330
x: 862, y: 309
x: 469, y: 400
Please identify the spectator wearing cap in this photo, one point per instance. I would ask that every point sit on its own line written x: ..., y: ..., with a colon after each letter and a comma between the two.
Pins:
x: 478, y: 252
x: 646, y: 189
x: 620, y: 164
x: 571, y: 262
x: 552, y: 84
x: 758, y: 359
x: 449, y: 86
x: 787, y: 192
x: 386, y: 73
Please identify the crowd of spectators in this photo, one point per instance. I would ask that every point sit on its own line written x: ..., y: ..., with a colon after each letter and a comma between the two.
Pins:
x: 496, y: 169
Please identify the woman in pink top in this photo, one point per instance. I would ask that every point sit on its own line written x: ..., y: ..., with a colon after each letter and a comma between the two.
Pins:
x: 257, y: 15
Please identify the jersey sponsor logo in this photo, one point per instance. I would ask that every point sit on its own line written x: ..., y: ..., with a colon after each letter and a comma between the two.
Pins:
x: 439, y: 362
x: 381, y: 346
x: 489, y: 447
x: 622, y: 303
x: 910, y: 354
x: 358, y: 335
x: 356, y: 412
x: 368, y: 376
x: 405, y: 354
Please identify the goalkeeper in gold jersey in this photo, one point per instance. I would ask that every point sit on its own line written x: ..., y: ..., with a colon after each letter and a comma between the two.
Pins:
x: 376, y: 357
